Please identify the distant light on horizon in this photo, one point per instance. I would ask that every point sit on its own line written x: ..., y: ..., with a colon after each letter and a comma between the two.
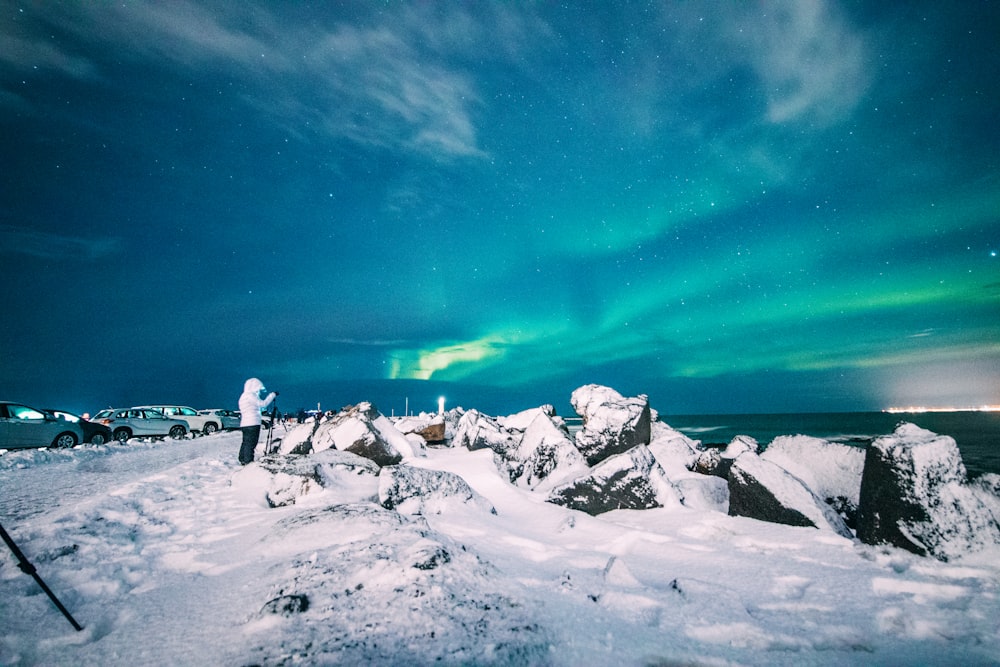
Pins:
x: 919, y: 409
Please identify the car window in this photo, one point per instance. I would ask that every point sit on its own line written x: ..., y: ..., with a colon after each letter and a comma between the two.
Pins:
x: 186, y: 411
x: 24, y: 412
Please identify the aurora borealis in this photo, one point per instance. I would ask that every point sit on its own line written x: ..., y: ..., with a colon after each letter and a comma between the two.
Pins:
x: 776, y: 206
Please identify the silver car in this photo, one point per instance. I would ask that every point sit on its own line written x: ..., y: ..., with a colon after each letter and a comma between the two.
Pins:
x: 22, y: 426
x: 196, y: 421
x: 140, y: 423
x: 230, y: 419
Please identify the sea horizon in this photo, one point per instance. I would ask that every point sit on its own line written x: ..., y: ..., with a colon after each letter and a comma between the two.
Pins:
x: 976, y: 433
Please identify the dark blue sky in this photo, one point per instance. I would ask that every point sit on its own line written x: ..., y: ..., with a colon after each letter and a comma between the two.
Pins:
x: 777, y: 206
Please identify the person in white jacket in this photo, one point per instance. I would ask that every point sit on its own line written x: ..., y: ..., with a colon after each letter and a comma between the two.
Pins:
x: 250, y: 406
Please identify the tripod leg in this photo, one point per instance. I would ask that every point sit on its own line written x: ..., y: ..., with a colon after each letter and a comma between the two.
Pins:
x: 28, y: 568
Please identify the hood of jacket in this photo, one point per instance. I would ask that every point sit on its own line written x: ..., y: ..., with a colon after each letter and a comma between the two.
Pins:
x: 253, y: 386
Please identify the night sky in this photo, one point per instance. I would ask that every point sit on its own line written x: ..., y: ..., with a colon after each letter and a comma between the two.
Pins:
x: 731, y: 207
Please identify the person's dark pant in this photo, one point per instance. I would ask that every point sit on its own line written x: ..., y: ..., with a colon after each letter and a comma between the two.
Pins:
x: 251, y: 434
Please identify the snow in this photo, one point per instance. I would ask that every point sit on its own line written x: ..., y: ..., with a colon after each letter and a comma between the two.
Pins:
x: 830, y: 469
x: 168, y: 553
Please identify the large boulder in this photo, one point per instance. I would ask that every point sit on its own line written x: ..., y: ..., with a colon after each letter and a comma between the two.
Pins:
x: 430, y: 427
x: 478, y: 431
x: 831, y: 470
x: 544, y: 457
x: 676, y: 452
x: 715, y: 461
x: 612, y: 424
x: 411, y: 490
x: 915, y: 495
x: 280, y: 480
x: 361, y: 429
x: 632, y: 480
x: 520, y: 421
x: 762, y: 490
x: 298, y: 438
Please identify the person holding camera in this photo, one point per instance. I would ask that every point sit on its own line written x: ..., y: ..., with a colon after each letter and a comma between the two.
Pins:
x: 251, y: 404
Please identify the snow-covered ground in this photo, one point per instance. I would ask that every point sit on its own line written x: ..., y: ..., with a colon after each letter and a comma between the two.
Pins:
x: 168, y: 554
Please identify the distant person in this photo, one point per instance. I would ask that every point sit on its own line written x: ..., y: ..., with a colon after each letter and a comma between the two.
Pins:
x: 251, y: 404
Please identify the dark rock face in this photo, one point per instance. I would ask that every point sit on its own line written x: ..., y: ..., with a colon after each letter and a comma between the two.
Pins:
x: 432, y: 432
x: 633, y: 480
x: 420, y: 491
x: 915, y: 495
x: 286, y: 605
x: 612, y: 424
x: 764, y: 491
x: 353, y: 430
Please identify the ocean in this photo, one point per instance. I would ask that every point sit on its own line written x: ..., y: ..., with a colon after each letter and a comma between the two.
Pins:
x: 976, y: 433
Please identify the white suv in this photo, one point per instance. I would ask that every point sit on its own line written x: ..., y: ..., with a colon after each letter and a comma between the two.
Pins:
x: 206, y: 424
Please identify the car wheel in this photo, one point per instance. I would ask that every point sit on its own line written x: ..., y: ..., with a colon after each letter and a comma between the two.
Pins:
x: 122, y: 435
x: 97, y: 439
x: 64, y: 440
x: 177, y: 431
x: 210, y: 428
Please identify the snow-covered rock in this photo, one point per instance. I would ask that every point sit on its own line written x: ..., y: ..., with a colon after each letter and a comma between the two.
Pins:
x: 478, y: 431
x: 363, y: 430
x: 612, y: 424
x: 280, y: 480
x: 703, y: 492
x: 831, y: 470
x: 520, y: 421
x: 412, y: 490
x: 762, y: 490
x: 709, y: 462
x: 544, y: 457
x: 915, y: 495
x: 298, y: 438
x: 632, y: 480
x: 676, y: 452
x: 739, y: 445
x: 715, y: 461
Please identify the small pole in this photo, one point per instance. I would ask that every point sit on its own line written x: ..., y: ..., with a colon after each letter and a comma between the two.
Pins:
x: 28, y: 568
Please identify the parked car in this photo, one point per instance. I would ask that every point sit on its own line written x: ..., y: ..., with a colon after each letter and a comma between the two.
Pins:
x: 22, y: 426
x: 206, y: 424
x: 94, y: 433
x: 140, y: 423
x: 230, y: 419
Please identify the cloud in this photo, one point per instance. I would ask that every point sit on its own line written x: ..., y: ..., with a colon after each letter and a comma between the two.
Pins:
x: 373, y: 81
x: 374, y: 86
x: 43, y: 245
x: 30, y: 54
x: 810, y: 62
